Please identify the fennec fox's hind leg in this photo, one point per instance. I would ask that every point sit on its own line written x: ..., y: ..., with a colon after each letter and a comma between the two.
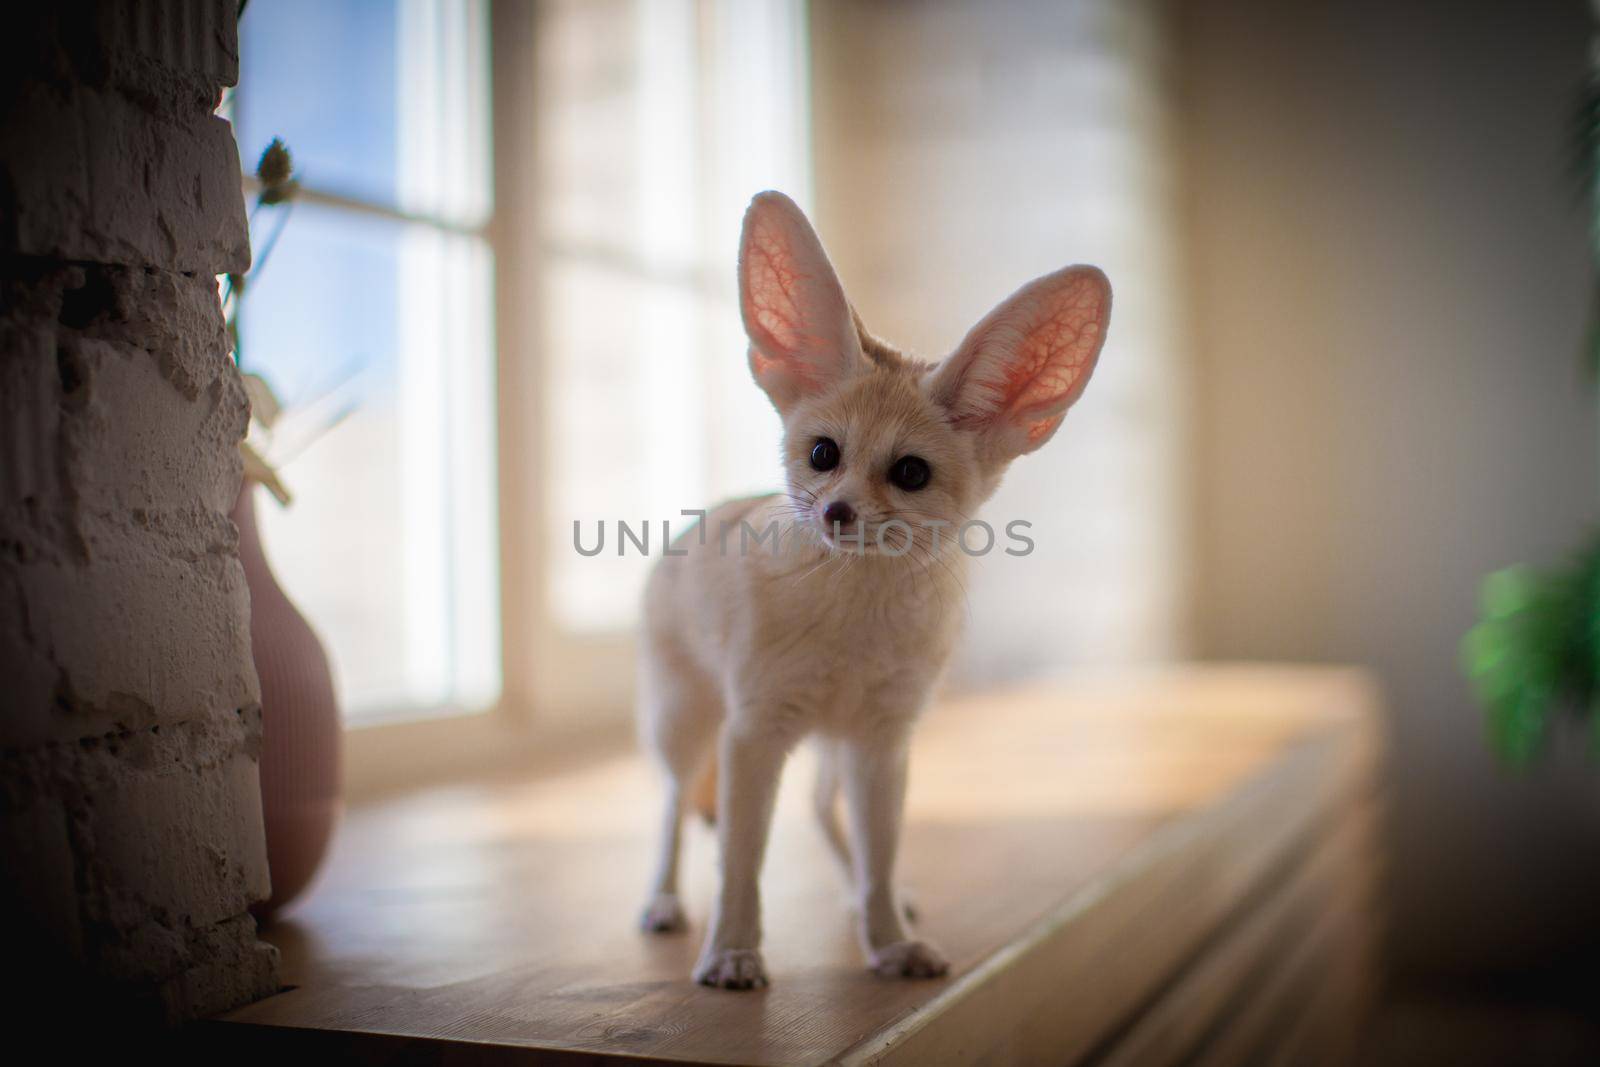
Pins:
x: 703, y: 799
x: 679, y: 711
x: 825, y: 805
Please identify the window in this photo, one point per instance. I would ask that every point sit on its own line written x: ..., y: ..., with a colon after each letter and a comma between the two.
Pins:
x: 630, y: 135
x: 371, y: 318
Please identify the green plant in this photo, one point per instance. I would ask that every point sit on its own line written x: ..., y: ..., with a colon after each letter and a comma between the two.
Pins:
x: 1534, y: 654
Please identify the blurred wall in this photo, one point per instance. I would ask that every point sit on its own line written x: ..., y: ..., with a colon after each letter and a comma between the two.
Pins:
x: 1388, y: 278
x: 960, y: 150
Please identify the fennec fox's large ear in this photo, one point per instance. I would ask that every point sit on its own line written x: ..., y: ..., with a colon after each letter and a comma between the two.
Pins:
x: 1020, y: 369
x: 802, y: 336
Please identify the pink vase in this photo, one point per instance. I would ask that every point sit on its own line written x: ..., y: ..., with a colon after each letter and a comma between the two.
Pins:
x: 300, y: 723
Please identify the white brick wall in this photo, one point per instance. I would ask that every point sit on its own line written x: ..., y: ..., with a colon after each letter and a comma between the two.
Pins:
x: 130, y: 810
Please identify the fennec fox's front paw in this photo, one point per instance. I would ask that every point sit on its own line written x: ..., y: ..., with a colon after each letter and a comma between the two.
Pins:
x: 908, y: 959
x: 663, y: 915
x: 731, y: 968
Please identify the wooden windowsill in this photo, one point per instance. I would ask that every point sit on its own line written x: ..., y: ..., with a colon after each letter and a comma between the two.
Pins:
x: 1129, y: 870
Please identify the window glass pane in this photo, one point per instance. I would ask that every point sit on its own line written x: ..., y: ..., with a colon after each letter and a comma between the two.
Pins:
x: 383, y: 101
x: 298, y: 328
x: 630, y: 425
x: 375, y: 333
x: 588, y: 91
x: 322, y: 76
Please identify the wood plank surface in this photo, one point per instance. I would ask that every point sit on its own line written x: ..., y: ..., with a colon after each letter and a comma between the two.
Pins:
x: 1304, y: 1010
x: 1333, y: 865
x: 1070, y: 845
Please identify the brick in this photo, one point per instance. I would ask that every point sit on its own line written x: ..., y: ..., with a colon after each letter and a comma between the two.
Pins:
x: 193, y: 37
x: 230, y: 967
x: 128, y: 644
x: 87, y: 346
x: 91, y: 176
x: 174, y: 828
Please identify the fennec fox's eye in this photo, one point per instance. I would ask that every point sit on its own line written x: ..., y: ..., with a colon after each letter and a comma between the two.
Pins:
x: 910, y: 473
x: 824, y: 454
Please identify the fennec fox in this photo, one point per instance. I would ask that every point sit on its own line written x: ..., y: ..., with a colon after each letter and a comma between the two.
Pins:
x: 839, y: 627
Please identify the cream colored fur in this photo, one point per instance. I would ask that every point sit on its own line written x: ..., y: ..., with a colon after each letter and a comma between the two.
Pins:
x: 750, y: 647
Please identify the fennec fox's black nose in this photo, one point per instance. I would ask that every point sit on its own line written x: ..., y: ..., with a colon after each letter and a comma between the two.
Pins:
x: 839, y: 512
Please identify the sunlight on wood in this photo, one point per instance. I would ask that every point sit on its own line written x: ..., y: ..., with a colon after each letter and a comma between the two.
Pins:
x: 1041, y: 822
